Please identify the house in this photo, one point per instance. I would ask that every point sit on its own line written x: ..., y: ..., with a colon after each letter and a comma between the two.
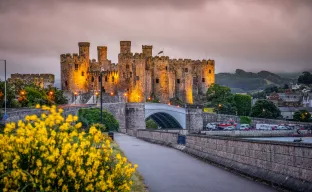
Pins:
x: 287, y: 99
x: 288, y: 112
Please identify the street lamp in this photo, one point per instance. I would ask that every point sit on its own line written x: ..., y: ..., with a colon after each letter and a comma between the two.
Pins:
x: 5, y: 93
x: 75, y: 93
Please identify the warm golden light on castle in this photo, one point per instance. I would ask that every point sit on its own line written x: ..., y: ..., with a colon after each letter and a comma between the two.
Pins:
x: 139, y: 77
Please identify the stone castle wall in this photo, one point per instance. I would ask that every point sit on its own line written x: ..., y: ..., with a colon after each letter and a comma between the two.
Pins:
x: 42, y: 80
x: 138, y: 75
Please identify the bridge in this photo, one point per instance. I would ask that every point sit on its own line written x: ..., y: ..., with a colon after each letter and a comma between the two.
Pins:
x: 166, y: 116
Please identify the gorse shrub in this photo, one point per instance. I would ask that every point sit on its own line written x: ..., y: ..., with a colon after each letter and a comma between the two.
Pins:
x: 50, y: 153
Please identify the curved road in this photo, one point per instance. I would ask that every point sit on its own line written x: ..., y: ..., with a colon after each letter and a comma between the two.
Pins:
x: 169, y: 170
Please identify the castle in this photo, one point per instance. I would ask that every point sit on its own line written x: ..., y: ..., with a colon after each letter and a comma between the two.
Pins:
x: 41, y: 80
x: 139, y: 77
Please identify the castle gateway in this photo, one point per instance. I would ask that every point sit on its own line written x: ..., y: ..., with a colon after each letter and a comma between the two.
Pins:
x: 140, y: 76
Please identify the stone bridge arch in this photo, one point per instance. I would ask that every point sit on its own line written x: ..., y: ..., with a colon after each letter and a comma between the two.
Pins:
x: 166, y: 116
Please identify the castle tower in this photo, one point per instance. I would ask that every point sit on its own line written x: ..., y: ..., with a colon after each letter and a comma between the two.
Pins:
x: 161, y: 78
x: 84, y: 50
x: 147, y: 50
x: 125, y: 47
x: 208, y: 75
x: 102, y: 53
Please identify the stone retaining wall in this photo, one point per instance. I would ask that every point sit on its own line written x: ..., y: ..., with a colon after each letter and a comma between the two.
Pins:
x: 160, y: 137
x: 255, y: 133
x: 288, y: 165
x: 211, y: 117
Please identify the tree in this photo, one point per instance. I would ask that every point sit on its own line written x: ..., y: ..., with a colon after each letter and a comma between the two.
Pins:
x: 305, y: 78
x: 10, y: 95
x: 245, y: 120
x: 89, y: 117
x: 265, y: 109
x: 151, y: 124
x: 302, y: 115
x: 221, y: 99
x: 243, y: 104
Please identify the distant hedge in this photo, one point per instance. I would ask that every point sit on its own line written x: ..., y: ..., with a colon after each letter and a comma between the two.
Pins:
x: 89, y: 117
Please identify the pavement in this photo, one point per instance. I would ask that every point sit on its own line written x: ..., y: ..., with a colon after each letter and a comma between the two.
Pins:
x: 170, y: 170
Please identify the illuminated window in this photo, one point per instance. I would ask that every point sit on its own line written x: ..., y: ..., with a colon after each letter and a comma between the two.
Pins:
x: 203, y: 79
x: 186, y: 70
x: 106, y: 78
x: 157, y: 80
x: 82, y: 73
x: 92, y: 79
x: 113, y: 79
x: 76, y: 67
x: 137, y: 78
x: 178, y: 81
x: 209, y: 71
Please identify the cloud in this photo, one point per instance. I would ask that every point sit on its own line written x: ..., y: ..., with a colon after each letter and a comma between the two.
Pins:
x: 250, y: 34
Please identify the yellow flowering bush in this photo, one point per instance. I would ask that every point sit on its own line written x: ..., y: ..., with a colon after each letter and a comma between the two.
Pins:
x: 50, y: 153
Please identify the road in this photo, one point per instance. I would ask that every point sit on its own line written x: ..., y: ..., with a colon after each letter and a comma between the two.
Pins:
x: 169, y: 170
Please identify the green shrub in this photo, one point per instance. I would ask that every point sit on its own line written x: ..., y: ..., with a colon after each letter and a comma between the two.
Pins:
x: 245, y: 120
x: 151, y: 124
x: 93, y: 116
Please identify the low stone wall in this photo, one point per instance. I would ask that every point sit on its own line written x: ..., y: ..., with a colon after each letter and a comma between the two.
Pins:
x: 211, y: 117
x: 160, y: 137
x: 254, y: 133
x: 287, y: 165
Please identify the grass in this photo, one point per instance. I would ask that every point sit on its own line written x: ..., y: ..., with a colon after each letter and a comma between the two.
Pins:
x: 138, y: 180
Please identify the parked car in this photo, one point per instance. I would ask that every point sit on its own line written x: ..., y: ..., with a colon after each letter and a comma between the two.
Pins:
x: 281, y: 127
x: 244, y: 127
x: 211, y: 126
x: 229, y: 128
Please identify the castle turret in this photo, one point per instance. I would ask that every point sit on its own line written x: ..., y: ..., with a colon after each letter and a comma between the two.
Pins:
x: 102, y: 53
x: 84, y: 50
x: 125, y: 47
x: 147, y: 50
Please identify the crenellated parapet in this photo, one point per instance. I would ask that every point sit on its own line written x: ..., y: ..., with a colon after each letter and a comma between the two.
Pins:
x: 71, y: 58
x: 139, y: 56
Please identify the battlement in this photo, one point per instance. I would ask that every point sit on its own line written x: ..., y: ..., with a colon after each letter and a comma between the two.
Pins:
x: 208, y: 62
x: 125, y: 55
x: 138, y: 56
x: 104, y: 48
x: 84, y: 44
x: 161, y: 58
x: 147, y: 46
x: 125, y: 43
x: 70, y: 58
x: 181, y: 61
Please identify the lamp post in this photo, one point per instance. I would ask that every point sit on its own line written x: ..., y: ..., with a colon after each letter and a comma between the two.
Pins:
x: 5, y: 92
x: 75, y: 96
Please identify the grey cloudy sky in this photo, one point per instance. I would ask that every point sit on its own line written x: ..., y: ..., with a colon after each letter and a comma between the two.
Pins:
x: 274, y: 35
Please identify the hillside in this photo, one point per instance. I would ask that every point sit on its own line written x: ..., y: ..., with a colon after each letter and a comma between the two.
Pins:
x: 242, y: 81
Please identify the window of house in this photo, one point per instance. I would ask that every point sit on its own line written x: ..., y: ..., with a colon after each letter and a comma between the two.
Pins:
x: 137, y: 78
x: 209, y: 71
x: 113, y: 79
x: 157, y: 80
x: 130, y: 74
x: 186, y: 70
x: 82, y: 73
x: 92, y: 79
x: 178, y: 81
x: 76, y: 67
x: 203, y: 79
x: 106, y: 78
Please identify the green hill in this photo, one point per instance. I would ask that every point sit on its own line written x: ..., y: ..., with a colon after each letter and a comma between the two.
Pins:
x: 242, y: 81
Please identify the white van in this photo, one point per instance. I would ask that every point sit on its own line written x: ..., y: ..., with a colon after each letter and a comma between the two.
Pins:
x: 244, y: 127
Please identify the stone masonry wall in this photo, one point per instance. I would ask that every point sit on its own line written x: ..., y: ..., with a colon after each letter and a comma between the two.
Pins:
x: 135, y: 117
x: 210, y: 117
x: 160, y: 137
x: 288, y: 165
